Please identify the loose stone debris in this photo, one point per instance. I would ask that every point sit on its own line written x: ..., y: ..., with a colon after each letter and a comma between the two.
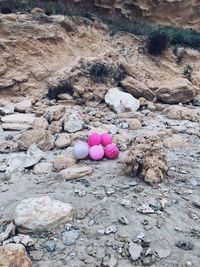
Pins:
x: 63, y: 78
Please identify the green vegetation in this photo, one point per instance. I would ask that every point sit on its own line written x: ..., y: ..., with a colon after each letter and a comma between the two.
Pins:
x: 157, y: 42
x: 177, y: 36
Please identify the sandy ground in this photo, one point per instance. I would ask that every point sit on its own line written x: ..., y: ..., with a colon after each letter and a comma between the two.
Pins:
x: 102, y: 198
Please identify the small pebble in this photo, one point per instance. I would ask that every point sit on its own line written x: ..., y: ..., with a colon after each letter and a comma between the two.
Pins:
x: 50, y: 245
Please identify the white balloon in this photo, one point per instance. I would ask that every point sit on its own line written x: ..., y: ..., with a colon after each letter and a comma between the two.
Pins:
x: 81, y: 150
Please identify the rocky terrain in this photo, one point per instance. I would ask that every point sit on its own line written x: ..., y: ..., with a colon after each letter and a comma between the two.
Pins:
x: 175, y: 12
x: 62, y: 78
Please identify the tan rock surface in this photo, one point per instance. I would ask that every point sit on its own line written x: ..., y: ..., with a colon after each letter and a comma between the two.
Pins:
x: 75, y: 172
x: 42, y: 138
x: 182, y: 113
x: 147, y: 158
x: 182, y: 13
x: 14, y: 255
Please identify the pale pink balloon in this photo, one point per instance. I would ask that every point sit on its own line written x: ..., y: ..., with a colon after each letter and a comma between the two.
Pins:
x: 106, y: 139
x: 111, y: 151
x: 96, y: 152
x: 80, y: 150
x: 94, y: 139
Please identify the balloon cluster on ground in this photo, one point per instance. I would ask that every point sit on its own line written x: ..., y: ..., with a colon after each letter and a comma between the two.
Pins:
x: 96, y: 147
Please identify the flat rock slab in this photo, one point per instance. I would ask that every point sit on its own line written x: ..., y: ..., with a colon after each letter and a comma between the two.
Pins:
x: 19, y: 118
x: 16, y: 126
x: 75, y: 172
x: 14, y: 255
x: 41, y: 214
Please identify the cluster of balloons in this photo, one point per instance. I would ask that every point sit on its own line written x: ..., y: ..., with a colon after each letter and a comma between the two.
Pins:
x: 97, y: 146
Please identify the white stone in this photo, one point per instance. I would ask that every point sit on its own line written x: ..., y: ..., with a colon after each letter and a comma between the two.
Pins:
x: 120, y: 101
x: 40, y: 214
x: 43, y: 167
x: 19, y: 118
x: 73, y: 123
x: 135, y: 251
x: 16, y: 126
x: 23, y: 105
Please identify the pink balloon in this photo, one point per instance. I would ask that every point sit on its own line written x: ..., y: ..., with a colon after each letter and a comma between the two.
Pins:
x: 111, y: 151
x: 106, y: 139
x: 94, y: 139
x: 96, y: 152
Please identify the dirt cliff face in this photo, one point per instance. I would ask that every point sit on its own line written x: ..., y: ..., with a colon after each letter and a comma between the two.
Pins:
x: 38, y: 51
x: 184, y: 13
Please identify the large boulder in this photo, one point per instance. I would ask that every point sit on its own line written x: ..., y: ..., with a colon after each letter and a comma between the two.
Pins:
x: 14, y: 255
x: 137, y: 88
x: 176, y: 91
x: 41, y: 214
x: 42, y: 138
x: 120, y: 101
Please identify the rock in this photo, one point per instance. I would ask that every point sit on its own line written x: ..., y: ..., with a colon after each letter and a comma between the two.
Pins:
x: 146, y: 104
x: 185, y: 245
x: 23, y: 106
x: 67, y: 25
x: 7, y: 110
x: 41, y: 214
x: 182, y: 113
x: 135, y: 124
x: 137, y: 88
x: 121, y: 140
x: 36, y: 255
x: 109, y: 261
x: 16, y: 126
x: 22, y: 160
x: 110, y: 230
x: 19, y: 118
x: 62, y: 162
x: 123, y: 220
x: 50, y: 246
x: 163, y: 253
x: 75, y: 172
x: 70, y: 237
x: 175, y: 91
x: 63, y: 141
x: 14, y: 255
x: 25, y: 240
x: 135, y: 251
x: 54, y: 113
x: 42, y: 138
x: 10, y: 229
x: 120, y: 101
x: 196, y: 101
x: 73, y: 123
x: 147, y: 158
x: 40, y: 123
x: 176, y: 141
x: 42, y: 168
x: 65, y: 97
x: 8, y: 146
x: 55, y: 127
x: 145, y: 209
